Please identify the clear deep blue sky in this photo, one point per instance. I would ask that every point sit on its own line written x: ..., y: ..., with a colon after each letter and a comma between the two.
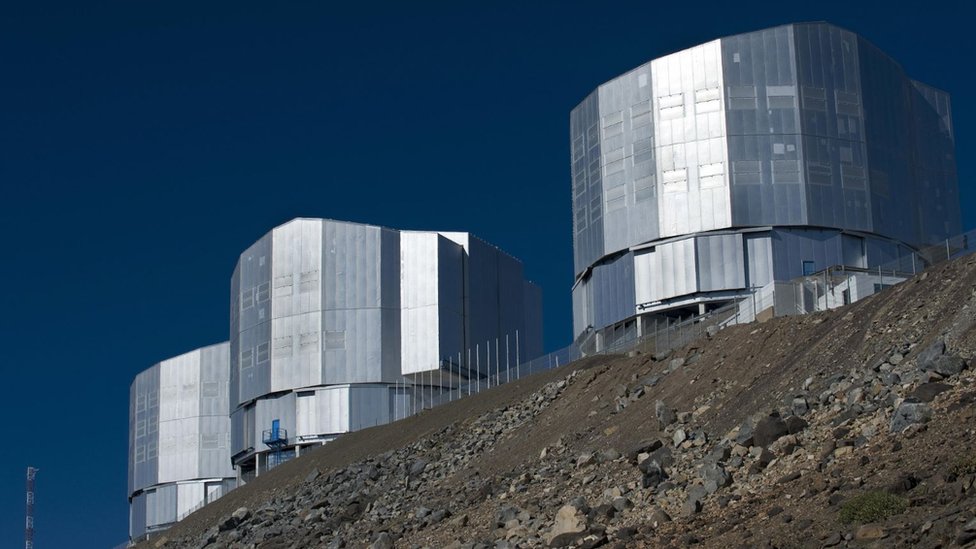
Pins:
x: 144, y: 145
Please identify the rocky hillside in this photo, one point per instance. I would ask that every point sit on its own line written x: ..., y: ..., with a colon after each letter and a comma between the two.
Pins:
x: 850, y: 428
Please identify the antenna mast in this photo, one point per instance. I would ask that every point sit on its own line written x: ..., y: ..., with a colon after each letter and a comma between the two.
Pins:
x: 29, y: 529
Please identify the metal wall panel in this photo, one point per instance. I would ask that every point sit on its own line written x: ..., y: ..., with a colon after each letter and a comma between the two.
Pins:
x: 690, y: 141
x: 762, y: 113
x: 720, y: 262
x: 791, y: 247
x: 450, y: 291
x: 581, y: 312
x: 585, y: 129
x: 629, y: 179
x: 270, y: 408
x: 137, y: 516
x: 189, y: 496
x: 936, y: 178
x: 161, y: 506
x: 483, y: 310
x: 295, y: 353
x: 665, y: 271
x: 144, y: 430
x: 759, y: 256
x: 175, y: 403
x: 613, y: 290
x: 852, y: 251
x: 352, y: 303
x: 834, y: 147
x: 419, y: 306
x: 180, y: 430
x: 530, y: 338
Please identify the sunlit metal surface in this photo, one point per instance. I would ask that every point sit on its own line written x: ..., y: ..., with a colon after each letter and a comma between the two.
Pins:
x: 328, y: 318
x: 179, y: 438
x: 748, y: 159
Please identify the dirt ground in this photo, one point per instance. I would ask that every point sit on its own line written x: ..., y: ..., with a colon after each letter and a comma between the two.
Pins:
x: 740, y: 372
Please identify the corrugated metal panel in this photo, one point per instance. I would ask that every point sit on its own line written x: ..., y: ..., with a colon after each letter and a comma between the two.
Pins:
x: 368, y: 406
x: 613, y: 290
x: 189, y: 495
x: 853, y: 251
x: 720, y: 262
x: 763, y: 121
x: 352, y: 301
x: 483, y: 300
x: 530, y: 339
x: 585, y: 134
x: 665, y: 271
x: 161, y: 506
x: 581, y: 313
x: 296, y: 318
x: 830, y: 102
x: 137, y: 516
x: 419, y: 301
x: 759, y: 254
x: 450, y: 280
x: 282, y: 408
x: 690, y: 142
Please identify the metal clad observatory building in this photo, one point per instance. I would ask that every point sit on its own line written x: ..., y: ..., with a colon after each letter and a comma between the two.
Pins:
x: 179, y: 438
x: 706, y: 174
x: 331, y: 320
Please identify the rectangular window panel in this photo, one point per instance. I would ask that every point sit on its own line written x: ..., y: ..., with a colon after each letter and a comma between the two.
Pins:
x: 742, y: 103
x: 210, y: 389
x: 613, y: 119
x: 335, y: 340
x: 747, y: 178
x: 613, y: 130
x: 615, y: 166
x: 616, y: 203
x: 282, y: 347
x: 644, y: 189
x: 671, y: 106
x: 612, y: 144
x: 247, y: 358
x: 711, y: 175
x: 263, y: 353
x: 578, y: 148
x: 593, y: 136
x: 675, y: 180
x: 283, y: 286
x: 152, y: 449
x: 309, y: 342
x: 852, y: 177
x: 247, y: 298
x: 615, y: 179
x: 819, y: 174
x: 708, y: 100
x: 814, y: 99
x: 263, y: 292
x: 781, y: 102
x: 308, y: 281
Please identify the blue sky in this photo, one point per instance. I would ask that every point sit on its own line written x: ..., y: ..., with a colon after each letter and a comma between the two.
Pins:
x: 143, y: 145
